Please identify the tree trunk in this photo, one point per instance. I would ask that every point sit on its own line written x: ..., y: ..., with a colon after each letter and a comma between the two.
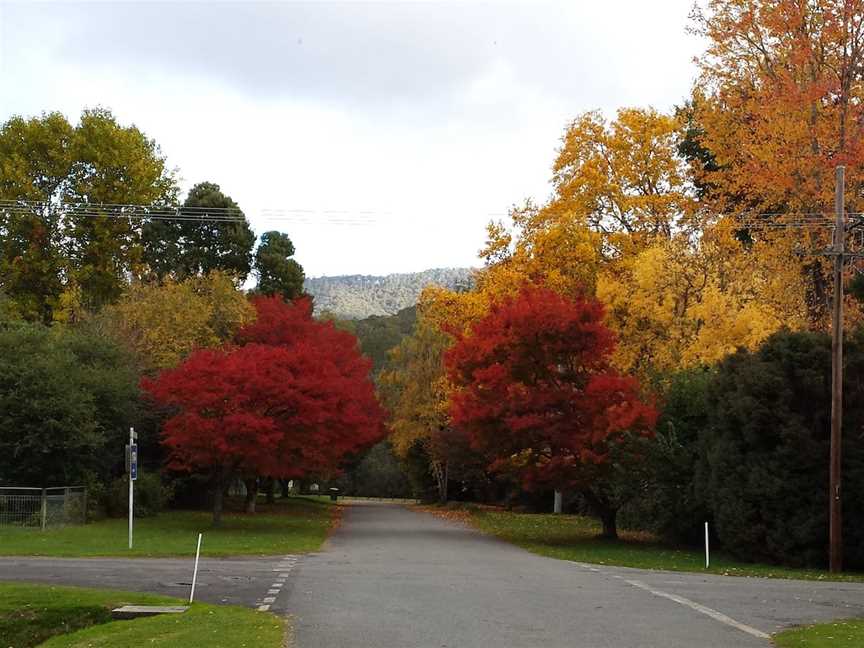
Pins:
x: 283, y: 484
x: 271, y: 490
x: 610, y: 524
x: 439, y: 471
x: 251, y: 494
x: 606, y: 512
x: 218, y: 492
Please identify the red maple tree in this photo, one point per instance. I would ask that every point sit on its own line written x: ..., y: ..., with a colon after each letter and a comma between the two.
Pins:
x: 535, y: 393
x: 293, y: 399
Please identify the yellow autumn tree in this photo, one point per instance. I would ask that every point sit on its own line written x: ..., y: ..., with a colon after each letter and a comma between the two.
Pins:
x: 682, y: 286
x: 619, y: 186
x: 164, y: 322
x: 624, y: 180
x: 415, y: 391
x: 680, y: 303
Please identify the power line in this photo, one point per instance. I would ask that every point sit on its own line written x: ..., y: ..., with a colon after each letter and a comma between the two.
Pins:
x: 141, y: 212
x: 170, y: 213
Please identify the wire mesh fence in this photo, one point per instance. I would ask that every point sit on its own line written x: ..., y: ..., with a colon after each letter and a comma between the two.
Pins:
x: 42, y: 507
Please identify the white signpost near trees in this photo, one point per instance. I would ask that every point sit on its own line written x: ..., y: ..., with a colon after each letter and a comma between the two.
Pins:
x: 132, y: 471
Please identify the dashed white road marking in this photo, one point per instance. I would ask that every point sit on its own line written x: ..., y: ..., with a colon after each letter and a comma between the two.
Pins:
x: 283, y: 569
x: 714, y: 614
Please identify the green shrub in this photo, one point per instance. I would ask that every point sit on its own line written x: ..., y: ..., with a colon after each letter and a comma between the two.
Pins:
x: 764, y: 464
x: 151, y: 496
x: 663, y: 496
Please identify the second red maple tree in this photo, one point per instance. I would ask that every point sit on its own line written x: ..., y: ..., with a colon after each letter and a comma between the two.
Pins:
x: 535, y: 393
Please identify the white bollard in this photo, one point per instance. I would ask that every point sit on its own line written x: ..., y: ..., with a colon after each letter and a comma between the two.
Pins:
x: 195, y: 573
x: 556, y: 506
x: 707, y: 556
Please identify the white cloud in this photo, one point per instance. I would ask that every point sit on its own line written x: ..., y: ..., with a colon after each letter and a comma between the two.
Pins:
x: 433, y: 116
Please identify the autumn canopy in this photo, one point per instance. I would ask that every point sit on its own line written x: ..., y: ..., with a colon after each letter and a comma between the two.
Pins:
x: 292, y: 397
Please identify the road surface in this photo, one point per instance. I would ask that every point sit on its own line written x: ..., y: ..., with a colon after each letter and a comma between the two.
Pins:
x: 395, y: 578
x: 230, y: 581
x: 391, y: 577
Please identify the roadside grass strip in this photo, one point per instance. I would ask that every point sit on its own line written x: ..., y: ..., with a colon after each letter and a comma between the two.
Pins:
x: 67, y: 617
x: 292, y: 525
x: 575, y: 538
x: 838, y: 634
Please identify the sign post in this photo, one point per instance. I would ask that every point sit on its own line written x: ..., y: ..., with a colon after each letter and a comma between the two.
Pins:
x: 132, y: 470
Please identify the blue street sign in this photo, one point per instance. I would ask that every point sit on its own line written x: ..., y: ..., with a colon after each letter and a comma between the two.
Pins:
x: 133, y: 461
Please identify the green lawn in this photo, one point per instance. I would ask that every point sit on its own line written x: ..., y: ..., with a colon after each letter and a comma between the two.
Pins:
x: 571, y: 537
x: 840, y: 634
x: 71, y: 616
x: 292, y: 525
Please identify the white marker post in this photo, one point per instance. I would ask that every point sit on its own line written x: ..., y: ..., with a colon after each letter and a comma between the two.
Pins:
x: 707, y: 556
x: 195, y: 573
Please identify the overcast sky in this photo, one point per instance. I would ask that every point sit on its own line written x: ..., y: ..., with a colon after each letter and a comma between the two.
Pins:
x: 415, y: 122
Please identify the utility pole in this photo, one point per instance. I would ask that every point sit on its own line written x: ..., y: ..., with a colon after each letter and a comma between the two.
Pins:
x: 835, y: 534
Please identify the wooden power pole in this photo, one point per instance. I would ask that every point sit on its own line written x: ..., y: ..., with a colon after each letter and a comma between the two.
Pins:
x: 835, y: 534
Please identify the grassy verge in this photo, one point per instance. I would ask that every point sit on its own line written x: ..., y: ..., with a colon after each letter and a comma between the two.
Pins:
x: 72, y: 616
x: 292, y: 525
x: 839, y: 634
x: 571, y: 537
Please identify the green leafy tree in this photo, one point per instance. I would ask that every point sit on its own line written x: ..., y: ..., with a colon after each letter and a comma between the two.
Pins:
x: 67, y: 397
x: 278, y: 273
x: 35, y: 162
x: 8, y: 312
x: 189, y: 247
x: 65, y: 182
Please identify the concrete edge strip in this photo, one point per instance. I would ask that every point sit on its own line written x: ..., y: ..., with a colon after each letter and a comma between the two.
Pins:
x: 714, y: 614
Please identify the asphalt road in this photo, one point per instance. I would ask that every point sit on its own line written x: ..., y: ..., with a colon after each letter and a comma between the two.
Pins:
x: 394, y: 578
x: 230, y: 581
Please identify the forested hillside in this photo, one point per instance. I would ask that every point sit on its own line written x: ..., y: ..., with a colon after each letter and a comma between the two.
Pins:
x: 359, y: 296
x: 378, y: 334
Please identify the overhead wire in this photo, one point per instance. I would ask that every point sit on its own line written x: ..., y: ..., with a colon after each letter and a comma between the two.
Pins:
x: 131, y: 211
x: 173, y: 213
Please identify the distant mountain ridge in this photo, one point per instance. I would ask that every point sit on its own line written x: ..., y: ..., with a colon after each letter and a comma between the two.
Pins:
x: 359, y: 296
